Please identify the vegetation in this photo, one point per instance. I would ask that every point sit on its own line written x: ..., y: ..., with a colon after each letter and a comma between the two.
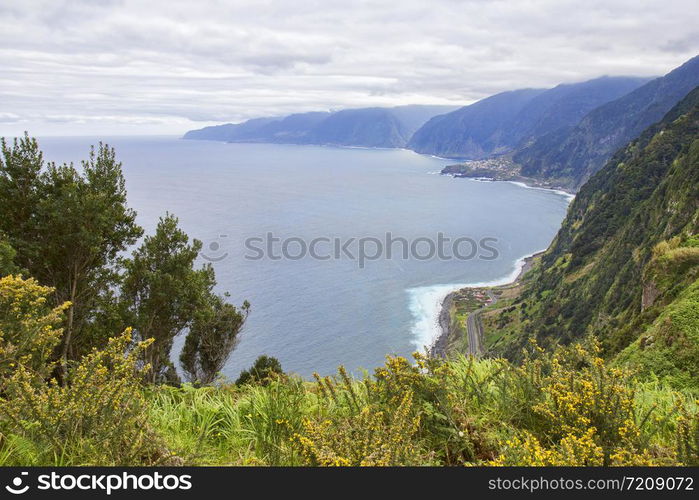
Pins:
x: 624, y: 266
x: 566, y: 407
x: 96, y: 415
x: 264, y: 370
x: 68, y: 228
x: 570, y: 155
x: 212, y: 337
x: 600, y: 338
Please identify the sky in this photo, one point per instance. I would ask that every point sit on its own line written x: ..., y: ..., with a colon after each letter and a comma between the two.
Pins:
x: 126, y: 67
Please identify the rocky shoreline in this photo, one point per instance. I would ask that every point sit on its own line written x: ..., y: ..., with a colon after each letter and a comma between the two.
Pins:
x: 439, y: 347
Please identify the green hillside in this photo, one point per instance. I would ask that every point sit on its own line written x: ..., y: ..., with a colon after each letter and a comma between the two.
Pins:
x: 625, y: 262
x: 570, y: 155
x: 507, y: 121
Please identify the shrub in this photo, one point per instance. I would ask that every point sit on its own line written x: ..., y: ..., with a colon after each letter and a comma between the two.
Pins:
x: 571, y: 451
x: 363, y: 434
x: 29, y: 329
x: 587, y: 415
x: 265, y: 369
x: 96, y: 417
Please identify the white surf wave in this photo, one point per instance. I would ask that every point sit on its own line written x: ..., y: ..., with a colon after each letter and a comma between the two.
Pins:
x: 568, y: 195
x: 425, y: 303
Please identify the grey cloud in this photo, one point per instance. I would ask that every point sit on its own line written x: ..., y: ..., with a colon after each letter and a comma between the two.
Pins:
x: 166, y: 66
x: 9, y: 118
x: 281, y: 61
x: 681, y: 45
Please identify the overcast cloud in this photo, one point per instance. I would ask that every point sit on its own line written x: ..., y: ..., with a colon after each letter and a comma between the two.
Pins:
x: 163, y: 66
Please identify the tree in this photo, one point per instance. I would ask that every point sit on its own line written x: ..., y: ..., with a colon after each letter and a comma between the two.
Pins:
x: 211, y: 339
x: 163, y: 292
x: 7, y: 258
x: 68, y: 227
x: 83, y: 224
x: 262, y: 371
x: 21, y: 164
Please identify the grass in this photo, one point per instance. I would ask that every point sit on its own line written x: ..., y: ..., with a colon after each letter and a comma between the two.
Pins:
x: 561, y: 407
x: 462, y: 411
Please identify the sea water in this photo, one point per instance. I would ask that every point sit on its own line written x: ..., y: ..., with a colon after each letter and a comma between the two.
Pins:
x: 315, y: 314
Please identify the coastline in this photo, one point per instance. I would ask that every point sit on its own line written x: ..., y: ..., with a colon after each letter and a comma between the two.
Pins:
x: 438, y: 348
x: 439, y: 345
x: 429, y: 304
x: 502, y: 168
x: 524, y: 182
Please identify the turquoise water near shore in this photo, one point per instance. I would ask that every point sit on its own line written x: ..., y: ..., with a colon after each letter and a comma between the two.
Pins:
x: 316, y: 314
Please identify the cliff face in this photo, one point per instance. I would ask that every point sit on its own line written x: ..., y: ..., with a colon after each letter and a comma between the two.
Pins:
x: 371, y: 127
x: 473, y: 131
x: 571, y: 155
x: 649, y: 295
x: 509, y: 120
x: 366, y: 127
x: 628, y: 249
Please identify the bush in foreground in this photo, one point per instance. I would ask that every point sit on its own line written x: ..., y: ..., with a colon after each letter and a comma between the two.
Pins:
x: 561, y: 408
x: 566, y: 407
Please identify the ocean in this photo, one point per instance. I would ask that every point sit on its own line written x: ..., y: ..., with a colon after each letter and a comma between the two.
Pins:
x: 304, y: 232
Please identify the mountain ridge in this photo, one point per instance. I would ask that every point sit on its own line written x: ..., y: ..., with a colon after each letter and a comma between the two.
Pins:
x: 572, y: 155
x: 505, y: 121
x: 624, y: 266
x: 367, y: 127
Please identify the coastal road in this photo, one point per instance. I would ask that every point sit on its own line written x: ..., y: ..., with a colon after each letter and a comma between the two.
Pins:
x: 475, y: 333
x: 474, y: 329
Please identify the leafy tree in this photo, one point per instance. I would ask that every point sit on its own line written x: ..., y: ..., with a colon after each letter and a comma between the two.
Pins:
x: 163, y: 292
x: 211, y: 339
x: 84, y: 223
x: 262, y: 371
x: 7, y: 257
x: 68, y: 227
x: 21, y: 164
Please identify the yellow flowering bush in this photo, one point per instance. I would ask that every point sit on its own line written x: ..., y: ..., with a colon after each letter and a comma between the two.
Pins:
x: 29, y: 329
x: 97, y: 415
x: 372, y: 437
x: 571, y: 451
x: 580, y: 392
x: 586, y: 414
